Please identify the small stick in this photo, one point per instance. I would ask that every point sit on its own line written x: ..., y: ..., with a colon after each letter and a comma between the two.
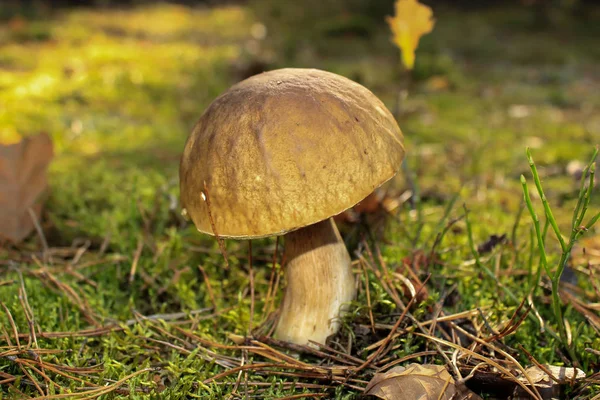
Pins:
x: 104, y: 245
x: 41, y: 372
x: 96, y: 392
x: 32, y: 379
x: 27, y: 311
x: 590, y: 350
x: 303, y: 396
x: 513, y: 324
x: 388, y: 339
x: 266, y: 307
x: 406, y: 358
x: 275, y: 288
x: 208, y: 288
x: 136, y: 259
x: 251, y: 272
x: 364, y: 268
x: 12, y: 324
x: 305, y: 349
x: 214, y: 228
x: 539, y: 365
x: 239, y: 377
x: 40, y: 233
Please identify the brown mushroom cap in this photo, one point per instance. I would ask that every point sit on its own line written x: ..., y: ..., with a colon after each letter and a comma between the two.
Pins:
x: 285, y: 149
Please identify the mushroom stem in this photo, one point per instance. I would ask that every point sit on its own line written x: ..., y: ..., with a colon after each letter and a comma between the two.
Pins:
x: 320, y: 284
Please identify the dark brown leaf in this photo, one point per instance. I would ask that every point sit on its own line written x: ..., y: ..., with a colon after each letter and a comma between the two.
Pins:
x: 417, y: 382
x: 547, y: 386
x: 377, y: 203
x: 23, y: 180
x: 491, y: 243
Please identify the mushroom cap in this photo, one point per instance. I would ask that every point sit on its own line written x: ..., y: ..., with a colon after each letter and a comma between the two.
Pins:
x: 285, y: 149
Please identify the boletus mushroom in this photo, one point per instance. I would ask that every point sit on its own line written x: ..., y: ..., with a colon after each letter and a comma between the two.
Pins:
x: 280, y: 153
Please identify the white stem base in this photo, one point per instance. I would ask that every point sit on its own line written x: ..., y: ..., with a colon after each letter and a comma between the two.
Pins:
x: 320, y: 284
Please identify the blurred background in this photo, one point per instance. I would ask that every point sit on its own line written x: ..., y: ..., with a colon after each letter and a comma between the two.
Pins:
x: 118, y: 86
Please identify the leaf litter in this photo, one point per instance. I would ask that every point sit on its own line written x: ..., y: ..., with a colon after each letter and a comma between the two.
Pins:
x: 472, y: 352
x: 416, y: 381
x: 23, y: 183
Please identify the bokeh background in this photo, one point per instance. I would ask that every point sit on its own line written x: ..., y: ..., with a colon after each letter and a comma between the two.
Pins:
x: 118, y: 85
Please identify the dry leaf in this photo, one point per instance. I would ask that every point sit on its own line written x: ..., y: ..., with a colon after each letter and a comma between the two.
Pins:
x: 369, y: 205
x: 17, y: 23
x: 417, y: 382
x: 437, y: 83
x: 237, y: 339
x: 23, y: 168
x: 546, y: 386
x: 564, y: 375
x: 411, y: 21
x: 491, y: 243
x: 379, y: 202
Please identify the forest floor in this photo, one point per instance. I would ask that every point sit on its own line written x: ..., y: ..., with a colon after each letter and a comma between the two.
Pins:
x: 120, y: 296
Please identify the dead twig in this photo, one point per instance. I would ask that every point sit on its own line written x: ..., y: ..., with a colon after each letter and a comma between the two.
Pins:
x: 214, y: 228
x: 136, y: 259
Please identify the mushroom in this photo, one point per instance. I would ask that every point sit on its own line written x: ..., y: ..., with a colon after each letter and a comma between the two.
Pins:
x: 280, y: 153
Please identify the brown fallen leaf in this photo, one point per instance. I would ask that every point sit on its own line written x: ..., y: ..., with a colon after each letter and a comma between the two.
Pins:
x: 437, y: 83
x: 23, y: 180
x: 417, y: 382
x: 378, y: 202
x: 491, y: 243
x: 547, y: 386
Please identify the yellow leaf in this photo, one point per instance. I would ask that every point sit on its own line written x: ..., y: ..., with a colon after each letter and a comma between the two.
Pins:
x: 411, y: 21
